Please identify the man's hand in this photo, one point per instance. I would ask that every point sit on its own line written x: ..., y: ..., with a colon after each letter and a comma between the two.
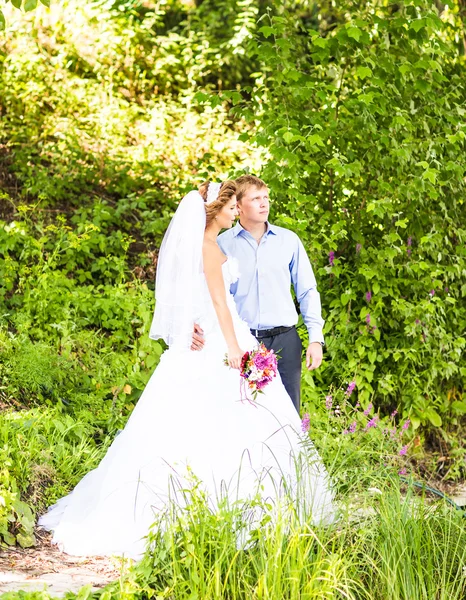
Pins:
x: 314, y: 355
x: 198, y: 338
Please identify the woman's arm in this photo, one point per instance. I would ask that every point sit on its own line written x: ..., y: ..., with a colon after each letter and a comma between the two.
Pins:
x: 213, y: 259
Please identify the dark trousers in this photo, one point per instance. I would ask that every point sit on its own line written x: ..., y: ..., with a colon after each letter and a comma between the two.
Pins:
x: 290, y: 348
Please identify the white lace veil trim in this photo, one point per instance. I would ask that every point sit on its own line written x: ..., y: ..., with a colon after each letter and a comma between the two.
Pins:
x: 179, y: 281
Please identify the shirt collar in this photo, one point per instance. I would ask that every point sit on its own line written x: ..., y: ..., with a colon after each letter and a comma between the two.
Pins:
x: 237, y: 229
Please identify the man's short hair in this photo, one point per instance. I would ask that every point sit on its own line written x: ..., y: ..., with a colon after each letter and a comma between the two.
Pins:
x: 246, y: 181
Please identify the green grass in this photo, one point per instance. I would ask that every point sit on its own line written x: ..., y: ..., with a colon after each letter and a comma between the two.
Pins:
x: 395, y: 545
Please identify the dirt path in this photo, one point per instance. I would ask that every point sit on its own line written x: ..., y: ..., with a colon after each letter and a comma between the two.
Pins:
x: 46, y: 568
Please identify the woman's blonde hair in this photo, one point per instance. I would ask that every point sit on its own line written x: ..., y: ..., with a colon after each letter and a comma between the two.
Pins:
x: 225, y: 194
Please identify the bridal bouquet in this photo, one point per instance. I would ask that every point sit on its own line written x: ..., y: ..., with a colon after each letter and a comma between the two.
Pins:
x: 258, y: 368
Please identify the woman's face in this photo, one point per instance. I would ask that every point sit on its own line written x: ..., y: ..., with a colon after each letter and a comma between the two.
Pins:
x: 226, y: 217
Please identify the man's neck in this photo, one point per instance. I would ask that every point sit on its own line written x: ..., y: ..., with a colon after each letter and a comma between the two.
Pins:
x: 257, y: 230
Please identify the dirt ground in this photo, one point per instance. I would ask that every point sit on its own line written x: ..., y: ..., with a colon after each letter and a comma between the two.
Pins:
x: 44, y: 567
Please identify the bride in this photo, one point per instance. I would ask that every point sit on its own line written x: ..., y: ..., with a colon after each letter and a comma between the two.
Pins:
x: 190, y: 419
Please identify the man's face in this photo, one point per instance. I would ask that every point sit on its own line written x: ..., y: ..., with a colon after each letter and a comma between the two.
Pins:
x: 254, y: 205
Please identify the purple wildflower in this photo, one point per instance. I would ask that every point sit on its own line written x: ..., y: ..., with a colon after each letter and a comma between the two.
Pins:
x: 368, y: 296
x: 358, y: 248
x: 394, y: 413
x: 350, y: 388
x: 328, y: 402
x: 372, y: 422
x: 306, y: 423
x: 409, y: 251
x: 352, y: 427
x: 432, y: 293
x: 402, y: 471
x: 417, y: 322
x: 406, y: 424
x: 331, y: 257
x: 403, y: 451
x: 368, y: 318
x: 446, y: 290
x: 410, y: 241
x: 368, y: 410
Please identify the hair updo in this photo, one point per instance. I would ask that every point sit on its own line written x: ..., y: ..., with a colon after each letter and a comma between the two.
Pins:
x: 225, y: 194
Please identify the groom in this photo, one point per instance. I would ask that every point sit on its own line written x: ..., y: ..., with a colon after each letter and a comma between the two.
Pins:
x: 270, y: 259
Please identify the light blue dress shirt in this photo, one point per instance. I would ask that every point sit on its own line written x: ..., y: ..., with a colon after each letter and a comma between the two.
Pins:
x: 263, y: 291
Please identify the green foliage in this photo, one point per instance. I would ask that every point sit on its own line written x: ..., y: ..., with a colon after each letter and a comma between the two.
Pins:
x: 362, y: 125
x: 354, y: 115
x: 43, y: 452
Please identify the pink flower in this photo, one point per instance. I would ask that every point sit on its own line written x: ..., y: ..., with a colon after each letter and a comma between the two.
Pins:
x: 403, y: 451
x: 306, y: 423
x: 352, y: 427
x: 372, y: 423
x: 260, y: 361
x: 328, y: 402
x: 350, y: 388
x: 358, y: 248
x: 394, y: 413
x: 432, y: 293
x: 368, y: 296
x: 402, y: 471
x: 368, y: 318
x: 406, y: 424
x: 331, y: 257
x: 410, y: 241
x: 368, y: 410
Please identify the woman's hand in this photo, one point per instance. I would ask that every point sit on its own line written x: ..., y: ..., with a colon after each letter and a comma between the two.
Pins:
x: 235, y: 354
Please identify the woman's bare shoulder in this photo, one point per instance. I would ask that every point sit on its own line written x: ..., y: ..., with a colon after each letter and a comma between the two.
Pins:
x: 212, y: 254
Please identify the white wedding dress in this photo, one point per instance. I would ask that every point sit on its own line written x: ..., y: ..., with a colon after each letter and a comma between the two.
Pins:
x: 191, y: 415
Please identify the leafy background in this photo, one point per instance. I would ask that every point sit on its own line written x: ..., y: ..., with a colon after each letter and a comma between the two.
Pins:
x: 355, y: 117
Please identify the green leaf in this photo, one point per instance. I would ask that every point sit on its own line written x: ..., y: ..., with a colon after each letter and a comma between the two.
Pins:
x: 200, y: 97
x: 363, y: 72
x: 315, y: 140
x: 30, y: 5
x: 288, y: 137
x: 354, y: 32
x: 345, y: 298
x: 26, y: 540
x: 9, y: 538
x: 402, y: 223
x: 459, y: 407
x: 2, y: 21
x: 418, y: 24
x: 320, y: 42
x: 433, y: 417
x: 267, y: 31
x: 405, y: 68
x: 46, y: 3
x: 16, y: 3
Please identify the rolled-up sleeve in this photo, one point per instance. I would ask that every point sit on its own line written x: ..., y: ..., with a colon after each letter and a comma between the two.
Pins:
x: 305, y: 286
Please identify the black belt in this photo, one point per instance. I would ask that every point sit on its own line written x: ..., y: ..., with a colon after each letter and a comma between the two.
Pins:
x: 263, y: 333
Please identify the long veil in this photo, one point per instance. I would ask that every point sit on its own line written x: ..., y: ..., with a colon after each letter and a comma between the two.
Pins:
x: 179, y: 279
